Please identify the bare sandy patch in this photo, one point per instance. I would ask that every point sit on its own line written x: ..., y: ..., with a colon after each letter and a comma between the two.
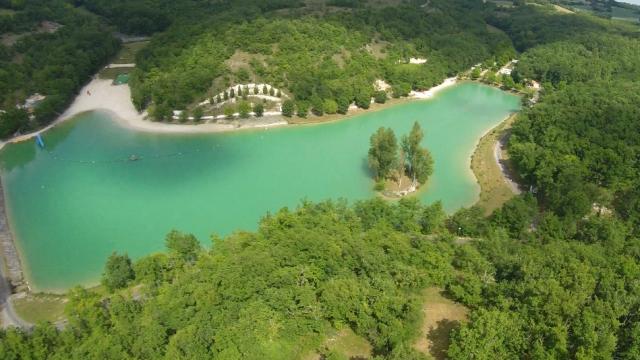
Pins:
x: 441, y: 315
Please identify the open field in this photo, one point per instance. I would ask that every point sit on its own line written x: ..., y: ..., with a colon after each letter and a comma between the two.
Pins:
x: 112, y: 73
x: 494, y: 190
x: 346, y: 343
x: 441, y: 315
x: 35, y: 308
x: 127, y: 54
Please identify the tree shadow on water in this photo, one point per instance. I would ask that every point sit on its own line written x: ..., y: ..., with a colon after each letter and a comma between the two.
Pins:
x: 439, y: 337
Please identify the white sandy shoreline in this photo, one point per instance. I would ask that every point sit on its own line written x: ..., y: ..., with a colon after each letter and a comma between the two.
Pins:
x: 101, y: 95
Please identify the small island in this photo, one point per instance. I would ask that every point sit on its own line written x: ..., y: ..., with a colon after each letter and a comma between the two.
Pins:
x: 399, y: 170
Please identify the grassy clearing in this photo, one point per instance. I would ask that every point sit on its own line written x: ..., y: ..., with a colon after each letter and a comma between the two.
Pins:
x: 494, y: 191
x: 111, y: 74
x: 35, y: 308
x: 242, y: 60
x: 127, y: 55
x: 378, y: 49
x: 441, y: 315
x: 347, y: 343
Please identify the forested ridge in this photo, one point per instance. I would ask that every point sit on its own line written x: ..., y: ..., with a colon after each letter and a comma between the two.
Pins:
x: 554, y: 273
x: 335, y: 57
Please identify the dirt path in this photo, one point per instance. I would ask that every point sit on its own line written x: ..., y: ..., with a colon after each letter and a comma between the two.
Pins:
x: 491, y: 168
x: 10, y: 271
x: 8, y: 314
x: 498, y: 149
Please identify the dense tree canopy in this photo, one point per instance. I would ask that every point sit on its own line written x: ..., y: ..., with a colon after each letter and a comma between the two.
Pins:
x: 52, y: 63
x: 553, y: 274
x: 335, y: 58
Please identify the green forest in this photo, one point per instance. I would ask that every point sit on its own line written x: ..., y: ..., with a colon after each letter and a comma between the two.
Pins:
x: 335, y: 57
x: 54, y: 61
x: 553, y: 274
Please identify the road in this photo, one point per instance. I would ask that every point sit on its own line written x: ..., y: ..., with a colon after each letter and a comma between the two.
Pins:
x: 11, y: 270
x: 8, y: 313
x: 506, y: 175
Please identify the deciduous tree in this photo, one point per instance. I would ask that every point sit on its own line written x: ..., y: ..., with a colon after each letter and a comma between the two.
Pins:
x: 383, y: 153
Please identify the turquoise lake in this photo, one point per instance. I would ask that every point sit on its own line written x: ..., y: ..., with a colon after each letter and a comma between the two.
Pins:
x: 75, y: 203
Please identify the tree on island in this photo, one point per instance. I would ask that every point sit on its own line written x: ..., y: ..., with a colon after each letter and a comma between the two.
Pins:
x: 383, y: 153
x: 118, y: 272
x: 418, y: 159
x: 387, y: 160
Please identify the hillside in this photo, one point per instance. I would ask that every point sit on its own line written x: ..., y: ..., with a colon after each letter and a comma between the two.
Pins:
x: 335, y: 57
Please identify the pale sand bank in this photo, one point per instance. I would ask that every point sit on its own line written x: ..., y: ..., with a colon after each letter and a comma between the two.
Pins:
x: 434, y: 90
x: 102, y: 95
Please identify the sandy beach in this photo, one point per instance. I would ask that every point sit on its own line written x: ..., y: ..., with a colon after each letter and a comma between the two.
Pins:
x: 427, y: 94
x: 102, y: 95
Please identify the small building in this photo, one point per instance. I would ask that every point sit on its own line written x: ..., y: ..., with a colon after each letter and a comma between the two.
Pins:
x: 31, y: 102
x: 417, y: 61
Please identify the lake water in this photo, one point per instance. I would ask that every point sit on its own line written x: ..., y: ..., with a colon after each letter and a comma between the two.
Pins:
x: 73, y: 204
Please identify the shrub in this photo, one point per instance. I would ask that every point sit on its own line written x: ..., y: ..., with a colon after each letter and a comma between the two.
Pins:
x: 380, y: 97
x: 288, y: 107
